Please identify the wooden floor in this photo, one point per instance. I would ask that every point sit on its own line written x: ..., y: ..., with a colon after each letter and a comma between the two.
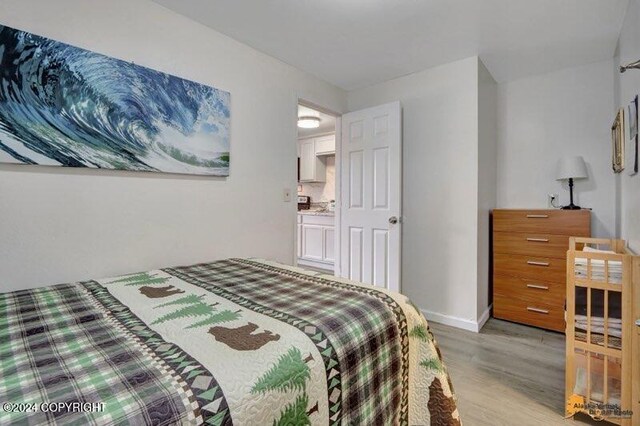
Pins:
x: 508, y: 374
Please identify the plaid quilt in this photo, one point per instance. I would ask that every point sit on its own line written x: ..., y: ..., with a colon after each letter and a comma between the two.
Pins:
x: 238, y: 341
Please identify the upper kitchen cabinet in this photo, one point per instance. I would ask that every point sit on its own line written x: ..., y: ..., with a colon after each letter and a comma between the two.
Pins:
x: 326, y: 145
x: 312, y: 169
x: 312, y: 166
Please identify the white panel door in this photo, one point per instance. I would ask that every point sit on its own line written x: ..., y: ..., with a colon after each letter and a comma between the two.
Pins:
x: 371, y: 184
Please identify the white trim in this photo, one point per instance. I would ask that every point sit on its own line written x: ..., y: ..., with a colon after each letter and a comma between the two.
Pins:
x: 337, y: 266
x: 294, y: 206
x: 484, y: 317
x: 329, y: 267
x: 462, y: 323
x: 316, y: 135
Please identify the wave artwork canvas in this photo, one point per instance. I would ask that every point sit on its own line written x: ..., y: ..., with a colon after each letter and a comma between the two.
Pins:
x: 66, y: 106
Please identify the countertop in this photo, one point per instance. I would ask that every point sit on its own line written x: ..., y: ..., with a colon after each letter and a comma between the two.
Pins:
x: 316, y: 212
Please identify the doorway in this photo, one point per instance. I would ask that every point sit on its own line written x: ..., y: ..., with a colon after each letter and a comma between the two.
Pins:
x: 349, y: 219
x: 318, y: 185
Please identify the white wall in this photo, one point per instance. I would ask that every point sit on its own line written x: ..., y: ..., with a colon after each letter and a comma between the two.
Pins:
x: 487, y: 179
x: 440, y: 185
x: 545, y: 117
x: 59, y: 225
x: 627, y: 86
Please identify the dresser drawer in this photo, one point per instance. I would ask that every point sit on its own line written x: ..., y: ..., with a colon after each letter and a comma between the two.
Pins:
x: 557, y: 222
x: 549, y: 293
x: 530, y: 244
x: 534, y: 313
x: 537, y: 268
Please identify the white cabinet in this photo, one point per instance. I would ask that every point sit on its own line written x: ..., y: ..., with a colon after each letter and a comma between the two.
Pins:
x: 326, y: 145
x: 316, y: 241
x: 328, y: 248
x: 299, y: 234
x: 312, y: 236
x: 311, y: 167
x: 311, y: 152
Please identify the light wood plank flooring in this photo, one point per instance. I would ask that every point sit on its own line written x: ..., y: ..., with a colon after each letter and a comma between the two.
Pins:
x: 508, y: 374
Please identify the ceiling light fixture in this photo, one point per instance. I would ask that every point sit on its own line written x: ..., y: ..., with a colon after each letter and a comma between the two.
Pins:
x: 308, y: 122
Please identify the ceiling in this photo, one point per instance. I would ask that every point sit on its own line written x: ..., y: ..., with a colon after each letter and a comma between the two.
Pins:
x: 356, y: 43
x: 327, y: 122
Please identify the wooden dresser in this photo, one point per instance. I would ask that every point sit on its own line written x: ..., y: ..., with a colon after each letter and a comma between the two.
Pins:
x: 529, y: 263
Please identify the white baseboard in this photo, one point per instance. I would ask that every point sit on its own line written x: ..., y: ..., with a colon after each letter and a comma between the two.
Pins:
x: 484, y: 317
x: 462, y: 323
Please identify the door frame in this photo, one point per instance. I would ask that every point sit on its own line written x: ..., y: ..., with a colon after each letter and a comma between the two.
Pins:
x: 336, y: 221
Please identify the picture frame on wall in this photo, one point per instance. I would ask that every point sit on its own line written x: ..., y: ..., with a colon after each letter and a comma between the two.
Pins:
x: 618, y: 142
x: 633, y: 135
x: 62, y: 105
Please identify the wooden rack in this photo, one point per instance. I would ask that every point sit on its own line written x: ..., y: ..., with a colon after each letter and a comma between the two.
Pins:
x: 603, y: 303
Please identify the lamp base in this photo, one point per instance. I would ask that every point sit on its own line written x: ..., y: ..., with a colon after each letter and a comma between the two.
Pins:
x: 572, y: 207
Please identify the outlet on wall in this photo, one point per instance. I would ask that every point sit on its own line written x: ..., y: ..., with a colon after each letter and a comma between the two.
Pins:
x: 286, y: 195
x: 552, y: 201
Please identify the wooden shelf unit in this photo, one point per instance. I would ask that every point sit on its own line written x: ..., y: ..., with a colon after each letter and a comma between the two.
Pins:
x: 603, y: 299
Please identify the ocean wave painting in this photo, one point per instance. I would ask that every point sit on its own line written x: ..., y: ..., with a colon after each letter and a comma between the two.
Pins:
x: 62, y: 105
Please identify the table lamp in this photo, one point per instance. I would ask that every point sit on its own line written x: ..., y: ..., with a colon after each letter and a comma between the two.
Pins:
x: 571, y: 168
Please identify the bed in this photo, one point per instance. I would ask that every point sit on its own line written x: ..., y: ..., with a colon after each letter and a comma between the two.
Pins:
x: 236, y: 341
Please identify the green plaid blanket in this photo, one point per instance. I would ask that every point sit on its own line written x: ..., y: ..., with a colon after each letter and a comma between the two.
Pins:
x: 236, y: 341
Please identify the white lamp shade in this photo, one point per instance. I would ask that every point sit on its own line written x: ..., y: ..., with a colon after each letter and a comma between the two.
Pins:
x: 571, y: 167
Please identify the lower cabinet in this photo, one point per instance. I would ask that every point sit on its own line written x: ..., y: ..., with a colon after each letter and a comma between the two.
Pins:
x: 299, y: 236
x: 312, y: 242
x: 328, y: 244
x: 316, y: 241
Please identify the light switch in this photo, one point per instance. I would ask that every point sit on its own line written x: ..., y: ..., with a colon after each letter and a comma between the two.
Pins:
x: 286, y: 195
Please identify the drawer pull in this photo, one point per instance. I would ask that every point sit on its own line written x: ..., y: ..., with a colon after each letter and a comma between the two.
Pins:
x: 537, y: 216
x: 534, y: 263
x: 538, y: 286
x: 538, y: 310
x: 538, y: 240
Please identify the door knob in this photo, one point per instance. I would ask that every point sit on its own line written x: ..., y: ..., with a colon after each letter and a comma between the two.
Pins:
x: 393, y: 220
